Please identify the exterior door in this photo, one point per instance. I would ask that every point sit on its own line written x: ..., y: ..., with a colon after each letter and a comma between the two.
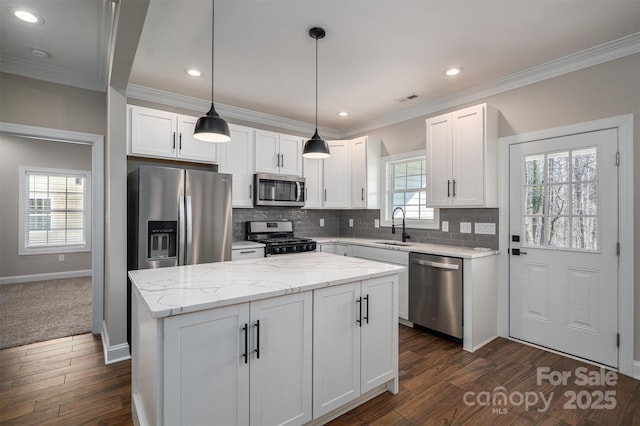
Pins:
x: 564, y: 211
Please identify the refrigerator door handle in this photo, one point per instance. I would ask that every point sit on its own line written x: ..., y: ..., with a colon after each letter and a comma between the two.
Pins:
x: 188, y: 258
x: 181, y: 231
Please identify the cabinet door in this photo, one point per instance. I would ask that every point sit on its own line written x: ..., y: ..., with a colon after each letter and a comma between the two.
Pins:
x: 313, y: 183
x: 468, y: 156
x: 336, y: 176
x: 152, y: 132
x: 290, y: 155
x: 267, y: 154
x: 190, y: 148
x: 336, y: 347
x: 237, y: 158
x: 247, y: 253
x: 280, y: 374
x: 328, y: 248
x: 358, y: 163
x: 206, y: 378
x: 403, y: 294
x: 379, y: 332
x: 439, y: 161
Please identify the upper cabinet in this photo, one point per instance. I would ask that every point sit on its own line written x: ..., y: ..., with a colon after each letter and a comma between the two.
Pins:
x: 349, y: 178
x: 237, y: 158
x: 462, y: 158
x: 162, y: 134
x: 278, y: 154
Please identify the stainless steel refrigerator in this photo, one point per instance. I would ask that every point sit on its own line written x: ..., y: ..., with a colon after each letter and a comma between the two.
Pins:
x: 177, y: 217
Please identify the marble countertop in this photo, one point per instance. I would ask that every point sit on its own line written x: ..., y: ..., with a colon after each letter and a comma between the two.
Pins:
x: 438, y: 249
x: 182, y: 289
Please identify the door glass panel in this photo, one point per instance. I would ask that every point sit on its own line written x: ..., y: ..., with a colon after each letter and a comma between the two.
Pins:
x: 559, y: 235
x: 534, y: 199
x: 560, y: 196
x: 558, y: 167
x: 585, y: 233
x: 534, y: 230
x: 558, y: 199
x: 533, y: 169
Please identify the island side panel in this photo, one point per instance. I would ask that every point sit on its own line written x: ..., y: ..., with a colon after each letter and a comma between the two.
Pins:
x: 480, y: 294
x: 145, y: 361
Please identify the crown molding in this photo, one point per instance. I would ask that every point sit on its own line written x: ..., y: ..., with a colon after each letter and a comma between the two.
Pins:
x: 231, y: 112
x: 40, y: 70
x: 624, y: 46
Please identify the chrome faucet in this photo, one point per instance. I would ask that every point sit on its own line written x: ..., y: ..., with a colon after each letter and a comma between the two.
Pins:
x: 405, y: 236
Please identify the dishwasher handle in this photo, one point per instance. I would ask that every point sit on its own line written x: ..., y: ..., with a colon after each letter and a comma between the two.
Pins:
x: 436, y: 264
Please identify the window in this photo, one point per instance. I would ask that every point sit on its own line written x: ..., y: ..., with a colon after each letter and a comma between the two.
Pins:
x: 406, y: 187
x: 54, y: 211
x: 561, y: 200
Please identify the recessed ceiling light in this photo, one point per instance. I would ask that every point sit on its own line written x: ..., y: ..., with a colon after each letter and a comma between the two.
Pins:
x: 343, y: 113
x: 26, y: 16
x: 40, y: 53
x: 193, y: 72
x: 450, y: 72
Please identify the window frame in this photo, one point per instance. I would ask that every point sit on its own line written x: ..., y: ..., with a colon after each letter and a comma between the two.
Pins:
x: 387, y: 190
x: 24, y: 171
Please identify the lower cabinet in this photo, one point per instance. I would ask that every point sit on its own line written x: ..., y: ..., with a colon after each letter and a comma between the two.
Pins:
x: 241, y: 364
x: 355, y: 341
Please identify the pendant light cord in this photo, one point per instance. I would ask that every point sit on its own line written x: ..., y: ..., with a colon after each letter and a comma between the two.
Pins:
x: 213, y: 15
x: 316, y: 84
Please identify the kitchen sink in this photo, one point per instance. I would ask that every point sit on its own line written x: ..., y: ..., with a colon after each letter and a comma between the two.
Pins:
x: 392, y: 243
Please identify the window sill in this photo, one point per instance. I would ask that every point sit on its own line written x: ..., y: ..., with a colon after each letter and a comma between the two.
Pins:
x: 53, y: 250
x: 435, y: 224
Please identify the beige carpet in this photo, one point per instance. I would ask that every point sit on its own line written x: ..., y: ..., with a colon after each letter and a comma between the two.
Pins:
x: 44, y: 310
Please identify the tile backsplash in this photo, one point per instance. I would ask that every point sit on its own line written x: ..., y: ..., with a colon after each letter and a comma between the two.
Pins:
x: 336, y: 224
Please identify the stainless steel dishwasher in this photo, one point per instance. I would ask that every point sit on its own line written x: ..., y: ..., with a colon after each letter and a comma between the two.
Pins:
x: 435, y: 293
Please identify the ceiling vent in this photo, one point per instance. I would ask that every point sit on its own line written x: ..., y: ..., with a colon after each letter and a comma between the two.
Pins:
x: 407, y: 98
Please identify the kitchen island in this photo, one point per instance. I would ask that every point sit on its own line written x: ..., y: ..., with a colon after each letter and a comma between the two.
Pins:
x: 291, y: 339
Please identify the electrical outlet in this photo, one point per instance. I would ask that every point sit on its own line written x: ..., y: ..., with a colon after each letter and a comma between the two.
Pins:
x: 376, y: 223
x: 350, y: 223
x: 445, y: 226
x: 321, y: 223
x: 61, y: 258
x: 485, y: 228
x: 465, y: 227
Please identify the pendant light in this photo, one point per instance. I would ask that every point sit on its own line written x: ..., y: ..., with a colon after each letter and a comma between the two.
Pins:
x: 316, y: 147
x: 211, y: 127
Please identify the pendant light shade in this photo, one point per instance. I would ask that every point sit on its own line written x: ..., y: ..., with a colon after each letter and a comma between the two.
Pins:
x: 316, y: 147
x: 211, y: 127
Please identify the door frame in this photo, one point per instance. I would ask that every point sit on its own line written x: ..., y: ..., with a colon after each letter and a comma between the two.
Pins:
x: 624, y: 126
x: 97, y: 201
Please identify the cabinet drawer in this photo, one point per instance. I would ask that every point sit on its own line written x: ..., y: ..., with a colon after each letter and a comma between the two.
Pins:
x: 380, y: 254
x: 247, y: 253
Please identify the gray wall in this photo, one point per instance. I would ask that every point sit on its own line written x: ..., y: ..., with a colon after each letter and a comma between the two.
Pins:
x: 601, y: 91
x: 17, y: 151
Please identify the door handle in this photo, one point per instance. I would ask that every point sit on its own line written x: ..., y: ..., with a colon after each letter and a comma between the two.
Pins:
x: 359, y: 302
x: 362, y: 193
x: 182, y: 231
x: 435, y: 264
x: 454, y: 187
x: 282, y: 161
x: 247, y: 251
x: 257, y: 349
x: 245, y: 355
x: 174, y: 141
x: 250, y: 191
x: 180, y: 143
x: 517, y: 252
x: 188, y: 256
x: 325, y: 195
x: 367, y: 312
x: 448, y: 188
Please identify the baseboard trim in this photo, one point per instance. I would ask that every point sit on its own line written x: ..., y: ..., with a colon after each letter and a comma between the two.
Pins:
x: 44, y: 277
x: 636, y: 370
x: 113, y: 354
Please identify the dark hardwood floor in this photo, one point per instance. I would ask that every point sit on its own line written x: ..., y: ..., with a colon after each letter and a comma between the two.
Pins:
x: 65, y: 382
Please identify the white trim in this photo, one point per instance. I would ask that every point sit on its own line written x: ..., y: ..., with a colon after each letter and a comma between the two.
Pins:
x: 624, y: 126
x: 624, y: 46
x: 113, y: 354
x: 45, y: 277
x: 97, y: 200
x: 148, y: 94
x: 39, y: 70
x: 636, y: 370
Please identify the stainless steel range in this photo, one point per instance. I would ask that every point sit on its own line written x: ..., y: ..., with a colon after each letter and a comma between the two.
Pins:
x: 278, y: 238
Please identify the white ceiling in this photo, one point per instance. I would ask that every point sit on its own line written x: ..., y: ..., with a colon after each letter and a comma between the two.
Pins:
x: 375, y: 51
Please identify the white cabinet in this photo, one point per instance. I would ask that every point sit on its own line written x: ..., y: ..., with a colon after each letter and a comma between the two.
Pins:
x: 162, y: 134
x: 394, y: 257
x: 334, y: 248
x: 237, y: 158
x: 355, y: 341
x: 336, y: 176
x: 277, y: 153
x: 241, y: 364
x: 365, y: 172
x: 247, y: 253
x: 462, y: 158
x: 313, y: 185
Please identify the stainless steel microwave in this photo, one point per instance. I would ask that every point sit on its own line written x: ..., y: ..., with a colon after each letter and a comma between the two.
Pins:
x: 279, y: 190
